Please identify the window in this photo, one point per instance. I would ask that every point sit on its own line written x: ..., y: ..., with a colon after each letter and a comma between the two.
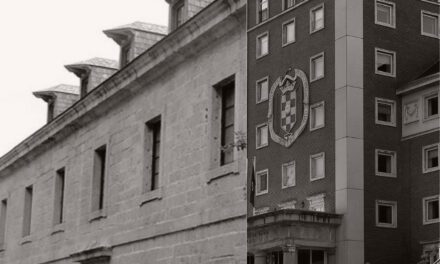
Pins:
x: 27, y: 214
x: 385, y: 62
x: 386, y: 214
x: 385, y: 13
x: 262, y: 45
x: 274, y: 257
x: 317, y: 116
x: 288, y: 3
x: 316, y: 203
x: 312, y: 256
x: 430, y: 158
x: 262, y: 136
x: 316, y: 18
x: 385, y: 112
x: 125, y: 55
x: 59, y: 196
x: 3, y: 214
x: 98, y: 184
x: 50, y: 110
x: 262, y: 90
x: 262, y: 183
x: 317, y: 67
x: 430, y: 24
x: 385, y: 163
x: 152, y: 148
x: 317, y: 166
x: 227, y: 125
x: 263, y: 10
x: 288, y: 32
x: 84, y: 84
x: 431, y: 106
x: 178, y: 14
x: 288, y: 175
x: 431, y: 210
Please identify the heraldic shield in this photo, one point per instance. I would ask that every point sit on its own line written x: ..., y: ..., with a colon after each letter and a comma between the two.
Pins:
x: 289, y: 102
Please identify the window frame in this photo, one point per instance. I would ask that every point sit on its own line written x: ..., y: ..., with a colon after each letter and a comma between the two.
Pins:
x: 266, y: 33
x: 59, y: 216
x: 28, y: 204
x: 432, y: 14
x: 151, y: 183
x: 3, y: 222
x: 259, y: 19
x: 314, y: 156
x: 425, y: 150
x: 179, y: 4
x: 393, y: 205
x: 284, y: 165
x: 257, y: 91
x: 426, y: 98
x: 315, y: 199
x: 257, y: 182
x: 393, y: 154
x: 99, y: 200
x: 393, y: 61
x: 393, y: 103
x: 316, y: 105
x: 257, y: 127
x: 311, y: 12
x: 312, y: 59
x: 290, y: 21
x: 425, y: 202
x: 392, y: 14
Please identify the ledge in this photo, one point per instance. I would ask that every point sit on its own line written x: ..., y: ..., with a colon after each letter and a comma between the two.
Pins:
x: 98, y: 255
x: 223, y: 171
x: 26, y: 240
x: 97, y: 215
x: 59, y: 228
x: 151, y: 196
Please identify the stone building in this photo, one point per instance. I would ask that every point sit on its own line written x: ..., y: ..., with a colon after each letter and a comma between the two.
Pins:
x: 143, y: 162
x: 343, y: 125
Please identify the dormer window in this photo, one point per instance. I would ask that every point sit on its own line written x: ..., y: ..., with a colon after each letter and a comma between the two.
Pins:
x: 84, y: 84
x: 50, y: 110
x: 125, y: 55
x: 178, y: 14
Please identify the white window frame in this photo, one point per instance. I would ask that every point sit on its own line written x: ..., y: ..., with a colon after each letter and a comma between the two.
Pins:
x: 426, y: 97
x: 283, y: 174
x: 258, y: 43
x: 319, y: 104
x: 257, y: 146
x: 393, y: 205
x: 427, y: 13
x: 312, y: 18
x: 393, y: 13
x: 393, y: 111
x: 425, y: 202
x: 314, y: 57
x: 321, y: 154
x: 393, y: 65
x: 284, y: 44
x: 259, y: 100
x: 257, y: 182
x: 259, y: 20
x: 393, y: 155
x: 425, y: 150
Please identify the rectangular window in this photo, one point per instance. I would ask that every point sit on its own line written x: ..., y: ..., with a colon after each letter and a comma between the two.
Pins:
x: 178, y: 14
x: 317, y: 203
x: 262, y: 45
x: 316, y: 18
x: 125, y: 55
x: 59, y: 196
x: 430, y: 158
x: 27, y: 213
x: 431, y: 106
x: 312, y: 256
x: 288, y: 4
x: 317, y: 67
x: 386, y: 214
x: 385, y: 13
x: 317, y: 116
x: 431, y: 210
x: 3, y: 214
x: 385, y: 163
x: 430, y: 24
x: 288, y: 175
x: 98, y: 185
x: 385, y: 112
x: 152, y: 138
x: 262, y: 90
x: 275, y: 257
x: 228, y: 123
x: 84, y: 84
x: 262, y: 136
x: 263, y: 10
x: 262, y: 184
x: 317, y: 166
x: 288, y: 32
x: 385, y: 62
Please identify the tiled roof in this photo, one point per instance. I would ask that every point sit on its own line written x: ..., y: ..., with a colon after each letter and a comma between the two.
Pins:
x: 142, y: 26
x: 100, y: 62
x: 61, y: 88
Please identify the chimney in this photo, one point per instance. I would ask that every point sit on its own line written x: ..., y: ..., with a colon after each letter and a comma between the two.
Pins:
x: 135, y: 38
x: 92, y: 72
x: 182, y: 10
x: 58, y: 99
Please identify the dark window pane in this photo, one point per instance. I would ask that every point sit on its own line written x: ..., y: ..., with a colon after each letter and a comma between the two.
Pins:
x: 433, y: 210
x: 385, y: 214
x: 384, y: 163
x: 317, y: 257
x: 304, y: 256
x: 433, y: 106
x: 384, y: 112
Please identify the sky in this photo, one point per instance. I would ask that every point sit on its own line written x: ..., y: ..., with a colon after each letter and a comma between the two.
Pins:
x: 39, y: 37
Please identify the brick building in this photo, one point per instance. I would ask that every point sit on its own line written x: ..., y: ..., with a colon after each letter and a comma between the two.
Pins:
x: 130, y: 167
x: 343, y: 129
